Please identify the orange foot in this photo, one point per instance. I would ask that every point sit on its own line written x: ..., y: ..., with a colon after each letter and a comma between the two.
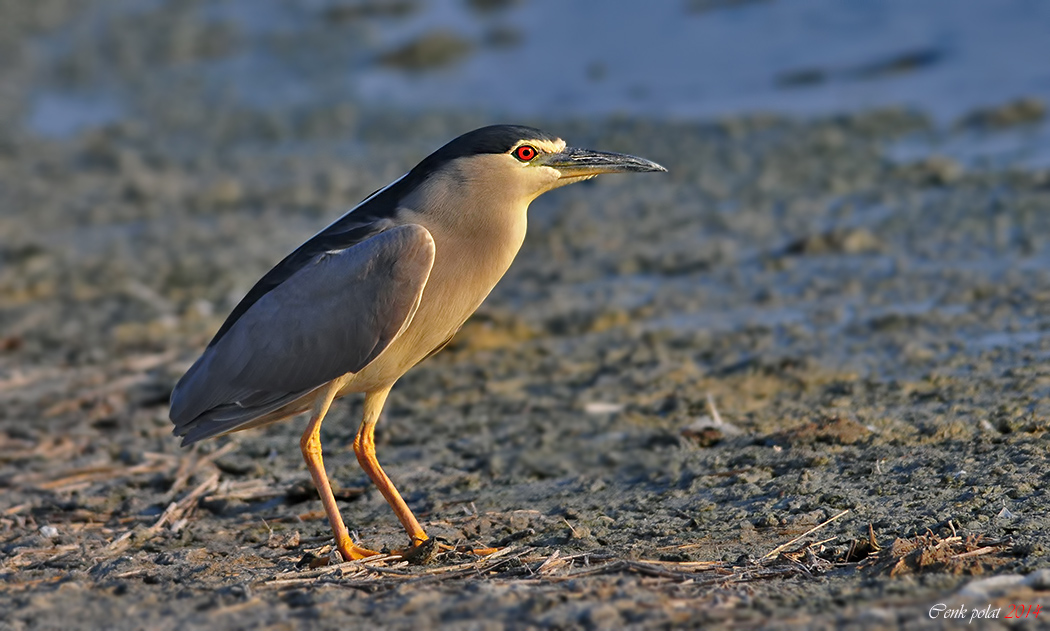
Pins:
x: 350, y: 551
x: 420, y: 552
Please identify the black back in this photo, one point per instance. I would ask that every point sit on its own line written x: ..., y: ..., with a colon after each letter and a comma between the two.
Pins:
x: 376, y: 212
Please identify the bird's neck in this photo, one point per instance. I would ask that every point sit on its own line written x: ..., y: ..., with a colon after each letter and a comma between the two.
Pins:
x: 480, y: 245
x: 474, y: 247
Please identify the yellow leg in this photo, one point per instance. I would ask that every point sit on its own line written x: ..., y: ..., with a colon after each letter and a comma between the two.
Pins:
x: 365, y: 448
x: 311, y: 446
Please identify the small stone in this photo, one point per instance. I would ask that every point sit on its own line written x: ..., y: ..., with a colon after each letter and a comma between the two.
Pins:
x: 1038, y: 580
x: 602, y: 407
x: 1023, y: 111
x: 288, y: 541
x: 990, y: 587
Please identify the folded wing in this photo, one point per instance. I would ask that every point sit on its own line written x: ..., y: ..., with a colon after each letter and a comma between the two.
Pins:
x: 332, y: 316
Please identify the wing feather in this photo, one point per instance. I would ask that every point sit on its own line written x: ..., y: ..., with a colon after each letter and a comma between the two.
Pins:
x: 332, y: 316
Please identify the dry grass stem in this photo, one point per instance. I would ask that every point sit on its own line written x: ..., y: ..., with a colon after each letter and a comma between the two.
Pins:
x: 777, y: 550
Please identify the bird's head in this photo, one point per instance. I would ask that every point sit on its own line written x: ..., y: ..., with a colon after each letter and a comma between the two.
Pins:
x: 522, y: 163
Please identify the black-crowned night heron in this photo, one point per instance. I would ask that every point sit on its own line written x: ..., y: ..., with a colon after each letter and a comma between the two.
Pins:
x: 379, y: 290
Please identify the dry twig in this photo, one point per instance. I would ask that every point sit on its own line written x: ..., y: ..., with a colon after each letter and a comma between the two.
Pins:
x: 775, y: 551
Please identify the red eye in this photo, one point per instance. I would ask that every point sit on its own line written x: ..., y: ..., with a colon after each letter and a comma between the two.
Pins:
x: 525, y: 153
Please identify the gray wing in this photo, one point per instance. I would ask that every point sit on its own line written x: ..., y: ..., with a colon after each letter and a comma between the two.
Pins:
x: 331, y: 317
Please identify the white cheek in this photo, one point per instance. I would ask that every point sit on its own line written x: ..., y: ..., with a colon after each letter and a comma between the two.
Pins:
x: 541, y: 180
x: 550, y: 173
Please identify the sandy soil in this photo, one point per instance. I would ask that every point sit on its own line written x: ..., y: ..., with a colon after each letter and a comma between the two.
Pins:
x: 870, y: 333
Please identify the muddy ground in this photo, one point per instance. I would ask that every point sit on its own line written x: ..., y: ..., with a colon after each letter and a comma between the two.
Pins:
x: 869, y: 330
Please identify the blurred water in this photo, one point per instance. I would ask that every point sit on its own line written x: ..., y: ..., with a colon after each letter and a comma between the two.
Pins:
x: 800, y: 56
x: 58, y: 114
x: 547, y: 58
x: 1028, y: 145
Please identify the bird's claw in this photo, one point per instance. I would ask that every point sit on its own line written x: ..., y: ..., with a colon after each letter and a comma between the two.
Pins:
x: 420, y: 553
